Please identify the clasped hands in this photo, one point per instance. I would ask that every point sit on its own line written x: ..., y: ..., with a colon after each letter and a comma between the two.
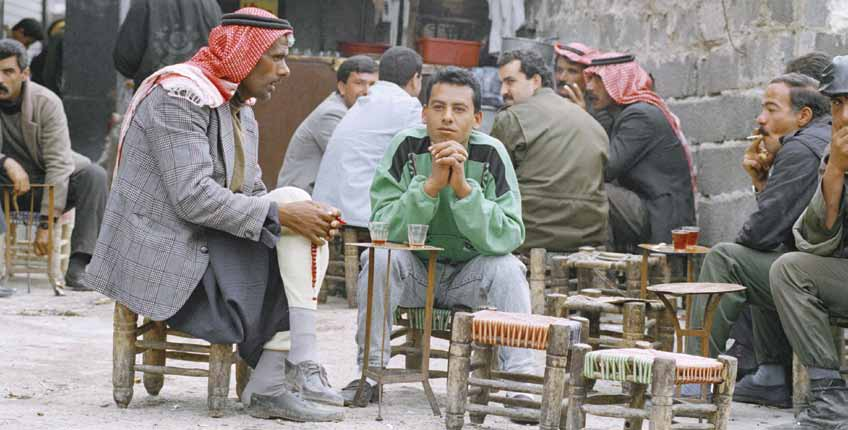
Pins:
x: 448, y: 169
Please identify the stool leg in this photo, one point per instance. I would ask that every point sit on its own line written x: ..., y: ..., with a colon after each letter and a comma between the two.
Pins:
x: 665, y: 330
x: 559, y: 341
x: 633, y: 275
x: 662, y: 392
x: 633, y: 323
x: 413, y: 339
x: 537, y: 280
x: 575, y: 417
x: 723, y: 393
x: 152, y: 382
x: 637, y: 401
x: 458, y: 368
x: 243, y: 372
x: 485, y: 355
x: 585, y: 278
x: 800, y: 385
x: 123, y: 354
x: 351, y: 266
x: 220, y: 362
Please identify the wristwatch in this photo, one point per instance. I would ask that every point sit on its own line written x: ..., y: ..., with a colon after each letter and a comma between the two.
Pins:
x: 43, y: 225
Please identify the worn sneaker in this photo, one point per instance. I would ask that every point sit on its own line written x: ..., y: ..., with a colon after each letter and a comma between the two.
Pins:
x: 6, y: 291
x: 349, y: 392
x: 532, y: 417
x: 289, y: 405
x: 778, y: 396
x: 310, y: 380
x: 828, y: 407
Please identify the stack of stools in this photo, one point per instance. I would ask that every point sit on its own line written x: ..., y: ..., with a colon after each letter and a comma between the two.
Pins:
x: 488, y: 329
x: 644, y: 324
x: 662, y: 371
x: 593, y: 268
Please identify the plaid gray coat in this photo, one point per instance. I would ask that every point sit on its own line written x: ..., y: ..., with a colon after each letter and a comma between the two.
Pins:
x: 171, y: 187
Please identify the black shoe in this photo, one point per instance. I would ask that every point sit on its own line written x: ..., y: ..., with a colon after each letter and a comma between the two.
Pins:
x: 349, y: 392
x: 75, y: 280
x: 828, y: 407
x: 527, y: 422
x: 6, y: 291
x: 777, y: 396
x: 290, y: 406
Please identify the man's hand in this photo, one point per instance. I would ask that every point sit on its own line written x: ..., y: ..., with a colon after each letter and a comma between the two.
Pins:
x: 19, y: 177
x: 452, y: 155
x: 311, y: 220
x: 440, y: 175
x: 839, y: 151
x: 457, y: 181
x: 41, y: 241
x: 573, y: 93
x: 757, y: 162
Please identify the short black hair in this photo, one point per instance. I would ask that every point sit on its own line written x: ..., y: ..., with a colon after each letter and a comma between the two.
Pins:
x: 356, y: 64
x: 812, y: 64
x: 531, y: 64
x: 803, y: 92
x: 10, y: 47
x: 30, y: 27
x: 399, y: 65
x: 460, y: 77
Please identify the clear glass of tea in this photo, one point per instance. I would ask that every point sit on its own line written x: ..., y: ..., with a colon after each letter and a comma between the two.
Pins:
x: 692, y: 234
x: 417, y: 234
x: 379, y: 231
x: 679, y: 238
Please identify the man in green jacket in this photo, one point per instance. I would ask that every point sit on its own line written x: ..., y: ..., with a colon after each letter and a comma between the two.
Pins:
x: 460, y: 182
x: 810, y: 286
x: 559, y: 153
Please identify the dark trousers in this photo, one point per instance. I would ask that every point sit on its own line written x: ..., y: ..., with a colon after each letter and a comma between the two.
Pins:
x: 628, y: 219
x: 86, y: 193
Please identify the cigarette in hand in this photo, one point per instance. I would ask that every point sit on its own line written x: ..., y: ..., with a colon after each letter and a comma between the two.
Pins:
x: 754, y: 137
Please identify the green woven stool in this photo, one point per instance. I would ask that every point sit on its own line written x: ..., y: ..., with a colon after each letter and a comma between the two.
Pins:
x: 411, y: 327
x: 641, y: 368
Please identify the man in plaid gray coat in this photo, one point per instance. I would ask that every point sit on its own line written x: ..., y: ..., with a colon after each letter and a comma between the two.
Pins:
x: 190, y: 235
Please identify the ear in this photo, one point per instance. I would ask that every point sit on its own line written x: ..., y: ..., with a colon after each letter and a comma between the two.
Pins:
x: 26, y: 72
x: 340, y: 87
x: 424, y: 115
x: 478, y: 119
x: 537, y: 81
x: 805, y: 116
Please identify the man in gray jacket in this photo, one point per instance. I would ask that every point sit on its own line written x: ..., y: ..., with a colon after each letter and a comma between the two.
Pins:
x: 306, y: 148
x: 35, y: 148
x: 809, y: 286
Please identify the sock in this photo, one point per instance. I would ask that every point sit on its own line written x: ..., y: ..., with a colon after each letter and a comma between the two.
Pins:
x: 769, y: 375
x: 268, y: 377
x: 304, y: 343
x: 819, y: 373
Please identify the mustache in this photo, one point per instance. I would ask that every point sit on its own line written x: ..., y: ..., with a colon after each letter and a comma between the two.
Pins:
x: 4, y: 89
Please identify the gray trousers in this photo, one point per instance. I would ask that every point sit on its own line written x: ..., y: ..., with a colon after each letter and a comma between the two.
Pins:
x: 628, y: 219
x: 807, y: 290
x: 498, y: 282
x: 736, y: 264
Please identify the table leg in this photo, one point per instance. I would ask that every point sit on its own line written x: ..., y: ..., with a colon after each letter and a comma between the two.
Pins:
x: 709, y: 310
x: 359, y: 399
x: 644, y: 291
x: 386, y: 319
x: 428, y: 327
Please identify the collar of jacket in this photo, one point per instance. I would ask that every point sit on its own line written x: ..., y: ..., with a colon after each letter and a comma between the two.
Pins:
x: 822, y: 120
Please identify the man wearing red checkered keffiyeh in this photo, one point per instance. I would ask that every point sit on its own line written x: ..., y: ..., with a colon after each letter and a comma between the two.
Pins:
x: 192, y: 238
x: 572, y: 60
x: 650, y: 176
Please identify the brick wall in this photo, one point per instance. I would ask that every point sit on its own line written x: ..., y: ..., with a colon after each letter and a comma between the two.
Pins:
x: 711, y: 59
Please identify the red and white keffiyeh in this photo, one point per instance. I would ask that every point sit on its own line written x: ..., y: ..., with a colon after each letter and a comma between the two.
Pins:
x: 576, y: 52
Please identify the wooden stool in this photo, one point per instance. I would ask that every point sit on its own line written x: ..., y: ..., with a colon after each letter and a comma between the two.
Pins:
x: 351, y: 235
x: 491, y: 328
x: 800, y: 378
x: 411, y: 322
x: 156, y: 348
x: 662, y: 371
x: 637, y: 316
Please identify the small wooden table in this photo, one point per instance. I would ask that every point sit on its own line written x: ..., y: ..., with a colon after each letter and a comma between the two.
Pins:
x: 396, y: 376
x: 648, y: 248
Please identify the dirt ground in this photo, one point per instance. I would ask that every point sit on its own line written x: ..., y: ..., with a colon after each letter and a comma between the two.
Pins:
x: 55, y: 373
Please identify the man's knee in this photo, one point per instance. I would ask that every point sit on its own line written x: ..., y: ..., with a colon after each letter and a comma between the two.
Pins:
x: 504, y: 270
x: 789, y: 270
x: 723, y: 253
x: 285, y: 195
x: 90, y: 177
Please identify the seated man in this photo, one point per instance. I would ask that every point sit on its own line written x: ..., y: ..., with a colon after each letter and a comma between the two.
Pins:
x: 783, y: 164
x: 306, y: 148
x: 650, y: 178
x: 811, y: 64
x: 192, y: 238
x: 808, y: 287
x: 364, y: 135
x: 558, y: 152
x: 572, y: 59
x: 37, y: 150
x: 459, y: 182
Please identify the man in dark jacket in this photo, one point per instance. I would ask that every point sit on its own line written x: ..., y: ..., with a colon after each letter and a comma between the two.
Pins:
x: 650, y: 179
x: 794, y: 131
x: 808, y: 287
x: 158, y: 33
x: 558, y: 152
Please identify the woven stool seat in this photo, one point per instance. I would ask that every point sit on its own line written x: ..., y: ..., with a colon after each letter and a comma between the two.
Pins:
x: 607, y: 304
x: 635, y: 365
x: 415, y: 317
x: 517, y: 330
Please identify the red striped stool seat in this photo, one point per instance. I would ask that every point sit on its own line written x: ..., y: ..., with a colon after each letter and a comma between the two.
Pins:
x: 517, y: 330
x: 635, y: 365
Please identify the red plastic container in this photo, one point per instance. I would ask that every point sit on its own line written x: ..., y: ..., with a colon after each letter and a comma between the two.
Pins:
x: 462, y: 53
x: 349, y: 49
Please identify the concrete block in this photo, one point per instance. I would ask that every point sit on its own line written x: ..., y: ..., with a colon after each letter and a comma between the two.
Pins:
x: 832, y: 44
x: 711, y: 24
x: 608, y: 39
x: 675, y: 77
x: 717, y: 119
x: 721, y: 217
x: 719, y: 71
x: 633, y: 33
x: 720, y: 167
x: 813, y: 13
x: 781, y: 11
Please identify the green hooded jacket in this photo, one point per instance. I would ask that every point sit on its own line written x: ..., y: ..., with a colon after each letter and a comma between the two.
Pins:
x: 486, y: 222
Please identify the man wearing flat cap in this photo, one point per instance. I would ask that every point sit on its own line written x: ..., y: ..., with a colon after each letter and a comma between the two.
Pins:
x: 650, y: 177
x: 190, y: 235
x: 809, y: 286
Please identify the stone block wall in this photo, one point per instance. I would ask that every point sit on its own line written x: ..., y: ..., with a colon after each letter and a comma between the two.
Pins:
x: 711, y: 60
